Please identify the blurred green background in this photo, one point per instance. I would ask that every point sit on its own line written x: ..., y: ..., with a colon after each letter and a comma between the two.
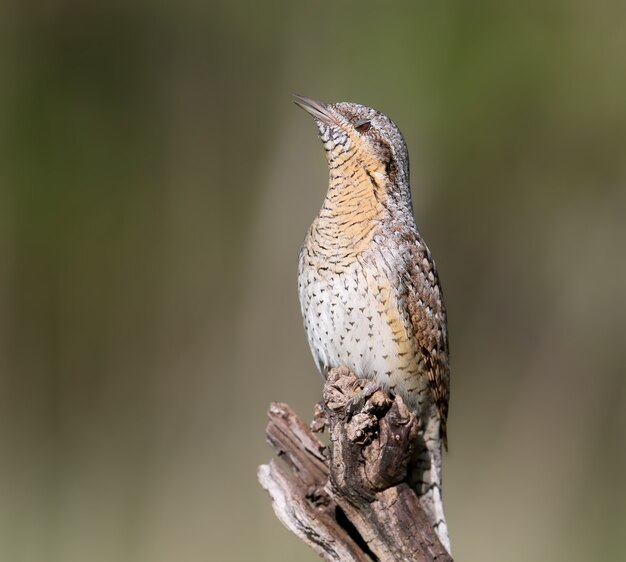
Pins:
x: 156, y: 183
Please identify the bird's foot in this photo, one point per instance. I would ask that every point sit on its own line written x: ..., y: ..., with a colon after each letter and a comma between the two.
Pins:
x: 357, y: 402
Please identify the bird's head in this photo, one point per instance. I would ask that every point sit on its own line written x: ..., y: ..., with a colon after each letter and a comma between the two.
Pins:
x: 355, y: 136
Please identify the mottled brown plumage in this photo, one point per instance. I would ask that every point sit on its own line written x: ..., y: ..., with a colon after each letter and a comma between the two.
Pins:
x: 368, y: 286
x: 430, y: 331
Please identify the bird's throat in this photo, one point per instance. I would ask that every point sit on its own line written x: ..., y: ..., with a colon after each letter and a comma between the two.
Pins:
x: 352, y: 210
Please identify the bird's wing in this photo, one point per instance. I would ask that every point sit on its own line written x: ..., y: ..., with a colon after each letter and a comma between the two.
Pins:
x: 427, y: 313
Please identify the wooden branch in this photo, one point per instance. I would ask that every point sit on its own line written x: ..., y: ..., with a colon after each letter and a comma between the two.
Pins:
x: 350, y: 501
x: 297, y: 490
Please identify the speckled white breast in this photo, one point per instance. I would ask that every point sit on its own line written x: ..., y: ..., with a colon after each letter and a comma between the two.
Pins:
x: 353, y: 317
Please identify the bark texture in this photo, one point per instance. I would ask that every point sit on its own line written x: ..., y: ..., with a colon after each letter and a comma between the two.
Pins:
x: 349, y: 500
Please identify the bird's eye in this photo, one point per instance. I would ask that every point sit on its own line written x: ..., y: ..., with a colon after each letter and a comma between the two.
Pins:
x: 363, y: 125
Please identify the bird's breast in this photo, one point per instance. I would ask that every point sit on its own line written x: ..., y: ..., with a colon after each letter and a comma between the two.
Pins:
x: 355, y: 314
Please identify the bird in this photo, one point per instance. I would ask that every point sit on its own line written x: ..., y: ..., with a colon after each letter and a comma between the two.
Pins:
x: 369, y: 291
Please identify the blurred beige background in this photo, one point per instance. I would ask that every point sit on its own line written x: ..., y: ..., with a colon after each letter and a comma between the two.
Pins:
x: 156, y: 183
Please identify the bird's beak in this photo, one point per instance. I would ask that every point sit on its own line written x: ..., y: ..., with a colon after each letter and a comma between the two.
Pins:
x: 317, y: 109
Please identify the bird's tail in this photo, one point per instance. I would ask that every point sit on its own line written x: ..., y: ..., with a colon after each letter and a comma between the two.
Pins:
x: 425, y: 479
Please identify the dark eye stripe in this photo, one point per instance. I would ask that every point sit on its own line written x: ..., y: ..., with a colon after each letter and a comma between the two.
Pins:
x: 363, y: 125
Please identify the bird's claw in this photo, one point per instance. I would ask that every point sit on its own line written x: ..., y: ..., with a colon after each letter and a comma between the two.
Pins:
x: 356, y: 402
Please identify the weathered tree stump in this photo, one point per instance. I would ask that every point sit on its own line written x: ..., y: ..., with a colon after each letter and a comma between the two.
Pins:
x: 350, y: 501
